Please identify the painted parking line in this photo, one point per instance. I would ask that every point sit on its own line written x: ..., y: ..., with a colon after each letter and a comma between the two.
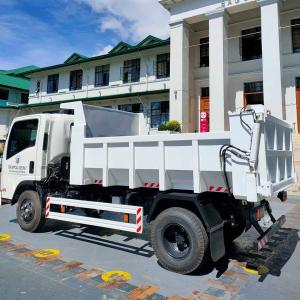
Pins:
x: 88, y: 274
x: 143, y: 292
x: 67, y: 266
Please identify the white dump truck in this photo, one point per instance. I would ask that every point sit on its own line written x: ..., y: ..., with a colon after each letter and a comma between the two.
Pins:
x: 196, y: 190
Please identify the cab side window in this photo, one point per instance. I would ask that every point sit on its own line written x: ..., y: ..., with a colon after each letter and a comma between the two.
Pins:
x: 22, y: 136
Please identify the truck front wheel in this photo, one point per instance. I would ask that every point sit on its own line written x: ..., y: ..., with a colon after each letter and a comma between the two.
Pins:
x: 179, y: 240
x: 29, y: 211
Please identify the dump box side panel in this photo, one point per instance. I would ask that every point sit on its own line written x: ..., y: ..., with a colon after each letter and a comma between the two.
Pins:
x: 181, y: 161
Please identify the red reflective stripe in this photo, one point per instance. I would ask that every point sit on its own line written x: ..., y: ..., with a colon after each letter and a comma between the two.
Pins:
x: 139, y: 229
x: 138, y: 220
x: 211, y: 188
x: 138, y: 211
x: 145, y: 184
x: 152, y: 184
x: 157, y: 185
x: 219, y: 188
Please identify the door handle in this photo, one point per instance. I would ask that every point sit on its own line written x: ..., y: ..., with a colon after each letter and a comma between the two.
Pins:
x: 31, y: 167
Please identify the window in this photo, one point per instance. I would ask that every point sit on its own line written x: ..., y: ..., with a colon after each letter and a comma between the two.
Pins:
x: 131, y: 71
x: 296, y: 35
x: 4, y: 94
x: 251, y: 44
x: 52, y: 86
x: 102, y: 75
x: 254, y: 93
x: 159, y: 113
x: 24, y: 98
x: 135, y: 108
x: 76, y: 80
x: 204, y: 52
x: 163, y: 65
x: 22, y: 136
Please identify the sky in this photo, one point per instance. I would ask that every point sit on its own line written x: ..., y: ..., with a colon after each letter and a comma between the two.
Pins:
x: 47, y: 32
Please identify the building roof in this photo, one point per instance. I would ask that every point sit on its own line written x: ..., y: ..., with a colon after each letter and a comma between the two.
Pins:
x: 75, y: 57
x: 19, y: 71
x: 16, y: 78
x: 121, y: 48
x: 167, y: 4
x: 14, y: 82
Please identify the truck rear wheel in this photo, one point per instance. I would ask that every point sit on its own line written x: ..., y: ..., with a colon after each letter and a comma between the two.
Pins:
x: 179, y: 240
x: 29, y: 211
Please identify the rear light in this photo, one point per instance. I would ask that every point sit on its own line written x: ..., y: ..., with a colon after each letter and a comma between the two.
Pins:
x: 260, y: 212
x: 282, y: 196
x: 126, y: 218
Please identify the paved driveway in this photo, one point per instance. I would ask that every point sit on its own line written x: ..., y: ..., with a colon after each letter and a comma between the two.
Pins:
x: 86, y: 253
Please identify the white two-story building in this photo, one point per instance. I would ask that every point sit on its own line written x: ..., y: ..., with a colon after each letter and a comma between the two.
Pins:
x: 132, y: 78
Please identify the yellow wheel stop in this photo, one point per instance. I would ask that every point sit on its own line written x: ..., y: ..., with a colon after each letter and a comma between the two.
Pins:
x: 111, y: 275
x: 46, y: 253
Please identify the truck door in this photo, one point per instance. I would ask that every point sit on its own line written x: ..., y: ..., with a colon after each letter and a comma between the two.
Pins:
x: 19, y: 160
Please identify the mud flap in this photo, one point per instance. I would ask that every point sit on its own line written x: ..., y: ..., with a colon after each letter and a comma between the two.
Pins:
x: 217, y: 245
x: 215, y: 226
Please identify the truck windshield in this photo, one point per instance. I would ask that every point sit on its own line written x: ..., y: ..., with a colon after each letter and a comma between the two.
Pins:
x: 22, y: 136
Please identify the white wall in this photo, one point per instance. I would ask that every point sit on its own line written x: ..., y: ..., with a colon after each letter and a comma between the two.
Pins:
x: 148, y: 81
x: 250, y: 71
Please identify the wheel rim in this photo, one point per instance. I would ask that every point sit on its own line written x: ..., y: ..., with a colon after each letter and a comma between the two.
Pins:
x: 27, y: 211
x: 176, y: 241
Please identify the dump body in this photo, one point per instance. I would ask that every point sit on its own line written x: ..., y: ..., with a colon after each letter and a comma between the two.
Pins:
x: 189, y: 162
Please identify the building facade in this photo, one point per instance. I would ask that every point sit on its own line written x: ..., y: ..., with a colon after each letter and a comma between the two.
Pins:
x: 227, y: 54
x: 131, y: 78
x: 14, y: 91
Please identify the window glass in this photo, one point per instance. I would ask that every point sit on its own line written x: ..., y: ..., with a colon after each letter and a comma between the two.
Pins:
x: 159, y: 113
x: 253, y: 87
x: 24, y: 98
x: 22, y: 136
x: 76, y: 80
x: 52, y: 85
x: 204, y: 52
x: 254, y: 93
x: 4, y: 94
x: 163, y: 65
x: 135, y: 108
x: 102, y: 75
x: 296, y: 35
x: 251, y: 44
x: 131, y: 71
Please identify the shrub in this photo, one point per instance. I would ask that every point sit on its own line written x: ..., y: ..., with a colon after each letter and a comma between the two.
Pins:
x: 162, y: 127
x: 173, y: 125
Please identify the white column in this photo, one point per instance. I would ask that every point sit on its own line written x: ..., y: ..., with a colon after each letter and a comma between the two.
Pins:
x: 218, y: 69
x: 179, y: 64
x: 271, y: 57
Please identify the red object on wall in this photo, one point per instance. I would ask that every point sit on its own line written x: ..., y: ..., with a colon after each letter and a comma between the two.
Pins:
x: 204, y: 122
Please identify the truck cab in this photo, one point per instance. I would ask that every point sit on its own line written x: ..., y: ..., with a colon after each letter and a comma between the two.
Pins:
x: 34, y: 142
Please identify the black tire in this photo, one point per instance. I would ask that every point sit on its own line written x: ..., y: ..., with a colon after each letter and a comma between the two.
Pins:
x: 187, y: 249
x: 30, y: 212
